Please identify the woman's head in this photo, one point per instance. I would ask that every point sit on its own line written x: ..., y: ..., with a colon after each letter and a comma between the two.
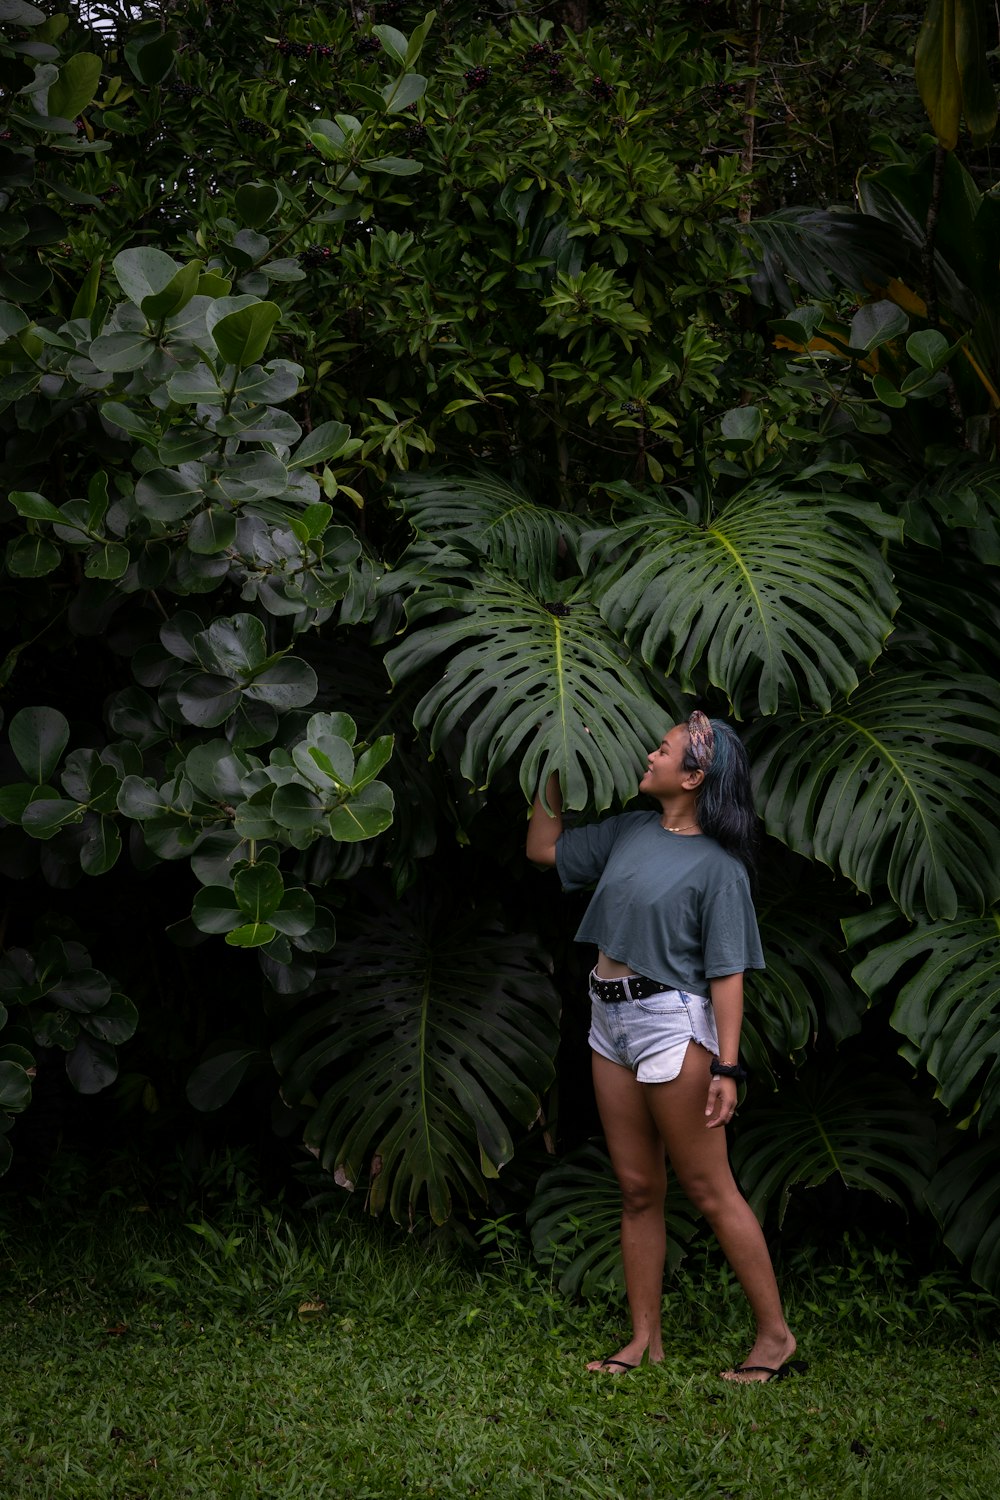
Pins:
x: 725, y: 796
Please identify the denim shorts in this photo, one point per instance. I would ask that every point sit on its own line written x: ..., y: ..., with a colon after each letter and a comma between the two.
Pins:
x: 651, y: 1036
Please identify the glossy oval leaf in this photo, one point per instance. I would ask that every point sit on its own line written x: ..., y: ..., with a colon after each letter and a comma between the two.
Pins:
x: 116, y: 1023
x: 38, y: 737
x: 217, y: 1077
x: 258, y: 891
x: 143, y: 271
x: 215, y: 909
x: 241, y: 337
x: 92, y: 1065
x: 15, y: 1087
x: 362, y: 816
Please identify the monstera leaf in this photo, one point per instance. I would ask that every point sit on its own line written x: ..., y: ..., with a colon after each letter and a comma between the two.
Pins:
x: 781, y: 592
x: 575, y: 1219
x: 433, y: 1031
x: 543, y: 680
x: 805, y: 987
x: 964, y: 1197
x: 948, y: 1009
x: 486, y: 517
x: 868, y: 1131
x: 885, y: 789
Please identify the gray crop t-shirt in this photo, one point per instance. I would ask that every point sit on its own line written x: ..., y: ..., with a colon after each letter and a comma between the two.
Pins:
x: 674, y: 907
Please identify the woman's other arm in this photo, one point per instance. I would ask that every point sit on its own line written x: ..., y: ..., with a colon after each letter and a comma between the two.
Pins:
x: 727, y: 1003
x: 545, y: 826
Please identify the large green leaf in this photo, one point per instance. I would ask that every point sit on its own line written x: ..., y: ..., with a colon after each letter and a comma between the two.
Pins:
x: 486, y: 516
x: 889, y: 788
x: 780, y: 593
x: 76, y: 85
x: 948, y: 1008
x: 575, y: 1222
x: 547, y: 682
x: 217, y: 1077
x: 823, y: 252
x: 952, y: 72
x: 964, y: 1197
x: 242, y: 336
x: 435, y: 1029
x: 866, y: 1130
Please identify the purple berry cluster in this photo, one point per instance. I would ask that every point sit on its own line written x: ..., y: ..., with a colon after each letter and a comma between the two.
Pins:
x: 303, y: 50
x: 601, y: 90
x: 315, y: 255
x: 477, y: 77
x: 542, y: 56
x: 416, y: 134
x: 253, y: 127
x: 723, y: 91
x: 367, y: 46
x: 184, y: 90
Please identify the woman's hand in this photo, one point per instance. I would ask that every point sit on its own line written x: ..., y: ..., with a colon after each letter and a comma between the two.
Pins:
x: 721, y: 1104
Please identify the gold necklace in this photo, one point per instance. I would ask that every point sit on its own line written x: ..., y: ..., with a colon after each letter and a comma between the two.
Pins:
x: 682, y: 829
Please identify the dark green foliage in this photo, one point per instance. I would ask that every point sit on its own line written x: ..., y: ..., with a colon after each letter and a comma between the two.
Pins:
x: 396, y: 407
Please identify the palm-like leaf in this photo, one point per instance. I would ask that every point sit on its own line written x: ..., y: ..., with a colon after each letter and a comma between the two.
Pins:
x: 489, y: 518
x: 434, y: 1031
x: 964, y: 1197
x: 781, y: 592
x: 519, y: 676
x: 575, y: 1219
x: 949, y: 1007
x: 883, y: 789
x: 866, y: 1131
x: 824, y: 252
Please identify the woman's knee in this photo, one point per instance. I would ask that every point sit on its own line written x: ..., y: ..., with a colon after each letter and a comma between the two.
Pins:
x: 711, y: 1193
x: 642, y: 1191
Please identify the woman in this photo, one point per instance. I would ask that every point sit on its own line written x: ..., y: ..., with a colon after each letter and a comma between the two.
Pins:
x: 675, y: 929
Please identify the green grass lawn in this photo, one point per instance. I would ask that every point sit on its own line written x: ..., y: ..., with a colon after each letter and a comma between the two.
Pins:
x: 208, y: 1371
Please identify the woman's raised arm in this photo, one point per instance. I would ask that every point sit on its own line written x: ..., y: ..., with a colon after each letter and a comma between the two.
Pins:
x: 544, y: 826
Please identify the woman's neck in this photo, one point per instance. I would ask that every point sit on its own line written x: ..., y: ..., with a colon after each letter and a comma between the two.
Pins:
x: 680, y: 816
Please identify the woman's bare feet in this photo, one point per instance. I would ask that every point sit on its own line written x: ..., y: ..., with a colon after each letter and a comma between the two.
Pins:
x: 769, y: 1353
x: 628, y: 1358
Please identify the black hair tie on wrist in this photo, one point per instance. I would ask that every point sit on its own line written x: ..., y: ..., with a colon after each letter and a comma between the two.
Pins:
x: 728, y: 1070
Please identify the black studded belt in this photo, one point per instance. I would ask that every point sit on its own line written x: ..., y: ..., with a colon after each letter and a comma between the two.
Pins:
x: 632, y: 987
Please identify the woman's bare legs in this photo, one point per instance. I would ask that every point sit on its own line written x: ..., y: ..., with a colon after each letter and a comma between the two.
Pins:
x: 640, y: 1120
x: 637, y: 1155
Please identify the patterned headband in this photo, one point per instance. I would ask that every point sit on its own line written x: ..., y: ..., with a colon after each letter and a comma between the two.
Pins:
x: 702, y: 736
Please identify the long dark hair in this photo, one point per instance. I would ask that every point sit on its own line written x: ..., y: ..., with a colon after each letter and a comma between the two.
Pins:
x: 725, y: 797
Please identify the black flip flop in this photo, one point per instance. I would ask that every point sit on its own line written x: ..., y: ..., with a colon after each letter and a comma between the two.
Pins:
x: 781, y: 1372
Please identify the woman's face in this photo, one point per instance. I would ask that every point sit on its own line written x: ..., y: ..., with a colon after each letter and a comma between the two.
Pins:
x: 666, y: 775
